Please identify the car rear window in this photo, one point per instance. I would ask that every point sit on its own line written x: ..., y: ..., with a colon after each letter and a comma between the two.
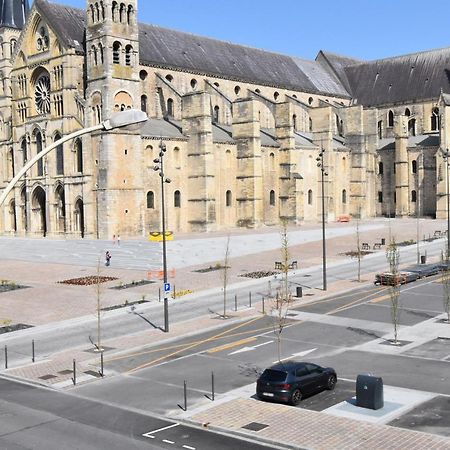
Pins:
x: 273, y: 375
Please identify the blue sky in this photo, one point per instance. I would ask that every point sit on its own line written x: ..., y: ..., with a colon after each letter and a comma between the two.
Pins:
x: 365, y: 29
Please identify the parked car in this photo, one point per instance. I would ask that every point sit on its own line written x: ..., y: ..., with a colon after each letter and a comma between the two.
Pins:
x: 424, y: 270
x: 389, y: 279
x: 290, y: 381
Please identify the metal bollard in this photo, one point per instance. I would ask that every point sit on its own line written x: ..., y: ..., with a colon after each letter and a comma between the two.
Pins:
x: 174, y: 292
x: 212, y: 386
x: 250, y: 299
x: 101, y: 365
x: 6, y: 356
x: 74, y: 379
x: 32, y: 351
x: 159, y: 294
x: 235, y: 302
x: 263, y: 306
x: 185, y: 396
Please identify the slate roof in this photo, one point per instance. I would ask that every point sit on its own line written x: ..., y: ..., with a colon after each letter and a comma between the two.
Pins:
x: 421, y: 140
x: 413, y: 77
x: 13, y: 13
x: 69, y: 23
x: 161, y: 128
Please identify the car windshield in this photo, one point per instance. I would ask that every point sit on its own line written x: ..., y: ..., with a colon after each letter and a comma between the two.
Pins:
x: 273, y: 375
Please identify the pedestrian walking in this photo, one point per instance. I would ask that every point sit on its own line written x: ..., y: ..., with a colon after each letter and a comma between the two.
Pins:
x: 118, y: 239
x: 108, y: 259
x: 114, y: 238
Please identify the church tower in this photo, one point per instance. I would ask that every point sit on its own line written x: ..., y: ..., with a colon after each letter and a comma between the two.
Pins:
x: 14, y: 13
x: 112, y: 66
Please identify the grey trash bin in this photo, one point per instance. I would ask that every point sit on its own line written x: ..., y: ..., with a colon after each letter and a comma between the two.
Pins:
x: 423, y: 259
x: 299, y: 291
x: 369, y: 392
x: 383, y: 241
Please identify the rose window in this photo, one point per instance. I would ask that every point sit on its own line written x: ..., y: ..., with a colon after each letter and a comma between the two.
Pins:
x: 42, y: 94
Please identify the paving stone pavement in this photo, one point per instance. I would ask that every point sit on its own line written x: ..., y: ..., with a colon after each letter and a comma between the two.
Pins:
x: 313, y: 430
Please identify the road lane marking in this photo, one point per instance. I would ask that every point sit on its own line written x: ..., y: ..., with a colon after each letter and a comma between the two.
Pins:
x: 150, y: 433
x: 204, y: 341
x: 168, y: 442
x: 304, y: 353
x: 189, y: 447
x: 231, y: 345
x: 249, y: 349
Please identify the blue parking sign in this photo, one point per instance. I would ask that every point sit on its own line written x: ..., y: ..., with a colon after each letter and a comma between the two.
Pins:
x: 166, y: 287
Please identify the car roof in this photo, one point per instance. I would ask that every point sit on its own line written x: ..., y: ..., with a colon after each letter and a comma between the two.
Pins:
x: 287, y: 365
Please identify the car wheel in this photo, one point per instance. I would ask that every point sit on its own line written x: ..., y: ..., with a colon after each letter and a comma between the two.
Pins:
x: 296, y: 397
x: 331, y: 382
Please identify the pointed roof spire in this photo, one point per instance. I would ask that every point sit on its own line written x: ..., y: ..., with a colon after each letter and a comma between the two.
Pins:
x: 13, y: 13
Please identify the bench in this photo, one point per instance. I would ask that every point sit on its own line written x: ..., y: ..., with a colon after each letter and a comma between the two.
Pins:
x: 437, y: 233
x: 293, y: 265
x: 377, y: 246
x: 365, y: 246
x: 278, y: 265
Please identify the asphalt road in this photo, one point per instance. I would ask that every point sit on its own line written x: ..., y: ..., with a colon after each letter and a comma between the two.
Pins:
x: 41, y: 419
x: 75, y: 333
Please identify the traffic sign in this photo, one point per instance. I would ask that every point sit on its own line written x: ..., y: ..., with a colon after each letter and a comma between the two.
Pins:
x: 166, y: 287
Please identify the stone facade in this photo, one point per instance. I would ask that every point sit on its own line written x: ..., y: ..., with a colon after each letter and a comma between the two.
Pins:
x: 240, y: 150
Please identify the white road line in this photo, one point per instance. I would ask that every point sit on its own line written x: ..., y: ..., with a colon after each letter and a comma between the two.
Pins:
x: 188, y: 447
x: 160, y: 429
x: 168, y: 442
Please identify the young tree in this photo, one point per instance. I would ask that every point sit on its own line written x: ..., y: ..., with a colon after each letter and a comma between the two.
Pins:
x: 393, y: 255
x: 225, y: 276
x: 446, y: 285
x: 98, y: 291
x: 281, y: 307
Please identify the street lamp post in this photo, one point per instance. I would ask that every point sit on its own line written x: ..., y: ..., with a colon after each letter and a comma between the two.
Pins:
x: 446, y: 155
x: 160, y: 168
x: 323, y: 173
x: 118, y: 120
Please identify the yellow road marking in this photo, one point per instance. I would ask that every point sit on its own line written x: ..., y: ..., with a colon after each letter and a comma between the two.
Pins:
x: 231, y: 345
x: 341, y: 308
x: 162, y: 358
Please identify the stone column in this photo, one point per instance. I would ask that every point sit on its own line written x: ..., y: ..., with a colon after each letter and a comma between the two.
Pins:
x: 284, y: 129
x: 197, y: 125
x: 401, y: 167
x: 246, y: 132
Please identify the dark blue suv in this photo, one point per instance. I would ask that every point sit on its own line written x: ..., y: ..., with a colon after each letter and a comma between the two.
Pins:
x: 290, y: 381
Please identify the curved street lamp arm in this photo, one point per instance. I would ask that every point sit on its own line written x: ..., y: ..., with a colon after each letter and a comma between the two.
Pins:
x: 44, y: 152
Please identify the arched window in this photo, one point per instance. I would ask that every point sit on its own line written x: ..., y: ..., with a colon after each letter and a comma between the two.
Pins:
x: 413, y: 196
x: 310, y: 100
x: 97, y: 9
x: 40, y: 163
x: 170, y: 107
x: 380, y: 168
x: 115, y: 11
x: 407, y: 112
x: 310, y: 197
x: 92, y: 15
x: 177, y: 199
x: 272, y: 161
x: 237, y: 89
x: 294, y: 122
x: 310, y: 124
x: 59, y: 156
x: 102, y: 6
x: 414, y: 166
x: 216, y: 114
x: 193, y: 83
x: 143, y: 74
x: 11, y: 170
x: 94, y: 55
x: 344, y: 196
x: 435, y: 122
x: 150, y: 200
x: 228, y: 198
x: 272, y: 198
x: 128, y: 53
x: 390, y: 119
x: 380, y: 129
x: 169, y: 78
x: 276, y: 95
x: 130, y: 15
x: 116, y: 52
x: 412, y: 127
x: 100, y: 52
x: 144, y: 103
x: 78, y: 147
x: 23, y: 147
x: 122, y: 13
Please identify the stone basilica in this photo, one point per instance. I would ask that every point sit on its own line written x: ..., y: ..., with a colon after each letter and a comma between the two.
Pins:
x: 243, y: 128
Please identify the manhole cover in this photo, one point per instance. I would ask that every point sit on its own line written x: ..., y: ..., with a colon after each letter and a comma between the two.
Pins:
x: 65, y: 372
x: 255, y: 426
x: 47, y: 377
x: 307, y: 275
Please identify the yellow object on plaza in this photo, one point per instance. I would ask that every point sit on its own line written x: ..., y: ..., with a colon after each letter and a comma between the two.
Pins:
x: 157, y: 236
